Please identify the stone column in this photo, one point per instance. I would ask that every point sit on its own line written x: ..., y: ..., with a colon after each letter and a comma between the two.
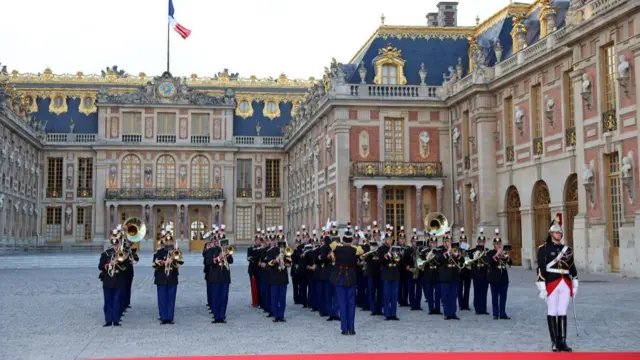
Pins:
x: 487, y: 178
x: 418, y: 207
x: 213, y: 216
x: 108, y: 220
x: 380, y: 204
x: 359, y: 206
x: 227, y: 219
x: 100, y: 186
x: 185, y: 226
x: 116, y: 218
x: 221, y: 218
x: 3, y: 215
x: 343, y: 163
x: 150, y: 223
x: 440, y: 197
x: 316, y: 196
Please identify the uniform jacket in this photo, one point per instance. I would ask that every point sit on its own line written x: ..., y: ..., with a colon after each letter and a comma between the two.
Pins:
x: 275, y: 275
x: 296, y: 257
x: 431, y: 274
x: 346, y: 256
x: 218, y: 273
x: 408, y: 260
x: 390, y: 270
x: 498, y: 273
x: 160, y: 278
x: 449, y: 270
x: 372, y: 266
x: 480, y: 267
x: 252, y: 258
x: 565, y: 267
x: 323, y: 270
x: 119, y: 279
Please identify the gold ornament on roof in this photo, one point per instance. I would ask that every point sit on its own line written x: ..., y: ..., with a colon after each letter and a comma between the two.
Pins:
x: 392, y: 57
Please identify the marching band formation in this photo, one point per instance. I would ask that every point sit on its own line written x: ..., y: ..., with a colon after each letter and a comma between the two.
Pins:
x: 333, y: 274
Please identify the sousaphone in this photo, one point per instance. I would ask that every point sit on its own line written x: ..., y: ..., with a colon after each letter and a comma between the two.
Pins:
x: 437, y: 223
x: 134, y: 229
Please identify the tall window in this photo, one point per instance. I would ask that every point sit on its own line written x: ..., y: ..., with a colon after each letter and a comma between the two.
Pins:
x: 272, y: 180
x: 389, y: 75
x: 130, y: 172
x: 200, y: 124
x: 54, y: 177
x: 83, y: 223
x: 569, y: 113
x: 166, y: 123
x: 393, y: 139
x: 166, y: 172
x: 244, y: 229
x: 132, y: 123
x: 53, y: 230
x: 244, y: 173
x: 614, y: 195
x: 200, y: 172
x: 609, y: 76
x: 536, y: 103
x: 465, y: 132
x: 272, y: 216
x: 508, y: 121
x: 85, y: 177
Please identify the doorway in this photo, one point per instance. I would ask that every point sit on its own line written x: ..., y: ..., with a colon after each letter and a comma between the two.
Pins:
x: 514, y: 225
x: 394, y: 205
x: 541, y: 213
x: 199, y: 224
x: 570, y: 207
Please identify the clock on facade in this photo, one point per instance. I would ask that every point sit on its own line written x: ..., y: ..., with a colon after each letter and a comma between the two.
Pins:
x: 166, y: 89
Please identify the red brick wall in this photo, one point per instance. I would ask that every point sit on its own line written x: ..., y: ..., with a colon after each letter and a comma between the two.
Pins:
x: 374, y: 142
x: 414, y: 144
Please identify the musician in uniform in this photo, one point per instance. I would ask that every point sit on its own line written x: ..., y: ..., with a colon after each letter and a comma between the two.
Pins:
x: 451, y: 260
x: 361, y: 286
x: 252, y: 260
x: 479, y: 272
x: 344, y: 278
x: 295, y: 276
x: 403, y: 284
x: 465, y: 275
x: 557, y: 282
x: 219, y: 276
x: 372, y: 272
x: 414, y: 274
x: 278, y: 262
x: 113, y: 281
x: 264, y: 271
x: 309, y: 259
x: 498, y: 277
x: 390, y: 276
x: 362, y: 290
x: 166, y: 277
x: 430, y: 282
x: 209, y: 238
x: 303, y: 272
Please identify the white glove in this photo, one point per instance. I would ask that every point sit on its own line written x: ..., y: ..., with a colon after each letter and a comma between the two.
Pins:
x: 575, y: 287
x: 543, y: 289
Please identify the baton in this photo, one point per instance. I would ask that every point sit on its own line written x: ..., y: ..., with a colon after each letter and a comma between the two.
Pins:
x: 575, y: 318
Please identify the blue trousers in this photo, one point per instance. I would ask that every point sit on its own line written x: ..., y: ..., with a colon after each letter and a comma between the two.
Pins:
x: 209, y: 292
x: 374, y: 293
x: 415, y: 293
x: 220, y: 299
x: 390, y: 297
x: 432, y: 293
x: 278, y: 300
x: 449, y: 297
x: 321, y: 300
x: 347, y: 304
x: 361, y: 292
x: 499, y: 298
x: 480, y: 289
x: 111, y: 306
x: 265, y: 295
x: 331, y: 299
x: 167, y: 301
x: 403, y: 291
x: 311, y: 294
x: 123, y: 297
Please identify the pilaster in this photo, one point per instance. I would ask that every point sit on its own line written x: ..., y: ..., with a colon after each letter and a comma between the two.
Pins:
x: 343, y: 190
x: 359, y: 207
x: 418, y: 207
x: 226, y: 217
x: 100, y: 185
x: 487, y: 171
x: 380, y: 204
x: 440, y: 198
x: 526, y: 221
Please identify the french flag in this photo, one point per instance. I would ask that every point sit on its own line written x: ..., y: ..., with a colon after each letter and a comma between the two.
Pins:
x: 183, y: 31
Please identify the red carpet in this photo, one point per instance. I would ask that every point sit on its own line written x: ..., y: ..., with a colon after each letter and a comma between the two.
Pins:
x: 414, y: 356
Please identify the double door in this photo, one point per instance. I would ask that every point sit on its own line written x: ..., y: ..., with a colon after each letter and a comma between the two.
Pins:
x: 394, y: 209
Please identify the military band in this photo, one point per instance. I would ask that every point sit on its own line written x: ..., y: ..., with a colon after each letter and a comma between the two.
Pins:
x: 112, y: 268
x: 218, y: 256
x: 498, y: 276
x: 166, y: 262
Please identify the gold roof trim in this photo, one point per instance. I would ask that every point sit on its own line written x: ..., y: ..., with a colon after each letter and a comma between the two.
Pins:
x: 48, y: 77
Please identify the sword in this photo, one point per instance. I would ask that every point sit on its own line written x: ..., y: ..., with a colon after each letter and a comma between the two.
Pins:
x: 575, y: 318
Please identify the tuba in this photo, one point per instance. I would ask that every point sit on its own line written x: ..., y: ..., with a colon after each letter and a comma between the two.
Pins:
x: 437, y: 223
x: 135, y: 230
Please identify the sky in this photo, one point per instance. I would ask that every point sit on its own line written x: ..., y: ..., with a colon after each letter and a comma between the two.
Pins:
x: 250, y: 37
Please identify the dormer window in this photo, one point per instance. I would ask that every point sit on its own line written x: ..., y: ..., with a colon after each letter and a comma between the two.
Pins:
x: 389, y: 75
x: 271, y: 109
x: 389, y: 67
x: 244, y: 108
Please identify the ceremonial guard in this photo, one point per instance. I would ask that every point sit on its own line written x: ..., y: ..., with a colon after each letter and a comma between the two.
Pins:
x: 209, y: 237
x: 295, y: 274
x: 265, y: 272
x: 498, y: 276
x: 371, y: 269
x: 430, y: 280
x: 479, y: 273
x: 403, y: 284
x: 390, y: 275
x: 557, y: 282
x: 166, y: 262
x: 309, y: 259
x: 361, y: 284
x: 330, y: 299
x: 344, y: 278
x: 252, y: 260
x: 451, y: 260
x: 219, y: 257
x: 415, y: 273
x: 113, y: 278
x: 302, y: 270
x: 279, y: 260
x: 132, y: 259
x: 465, y: 274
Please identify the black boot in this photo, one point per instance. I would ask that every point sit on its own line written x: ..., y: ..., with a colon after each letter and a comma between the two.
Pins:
x: 563, y: 334
x: 553, y: 326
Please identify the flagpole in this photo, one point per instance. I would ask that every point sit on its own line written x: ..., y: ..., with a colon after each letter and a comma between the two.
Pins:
x: 168, y: 43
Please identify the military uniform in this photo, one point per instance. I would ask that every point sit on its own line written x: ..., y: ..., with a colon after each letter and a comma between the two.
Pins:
x: 390, y: 276
x: 166, y: 283
x: 252, y: 269
x: 557, y: 282
x: 278, y: 279
x: 403, y: 284
x: 371, y: 270
x: 295, y: 274
x: 114, y: 280
x: 344, y: 277
x: 498, y: 277
x: 309, y: 260
x: 479, y: 272
x: 362, y: 296
x: 263, y: 273
x: 465, y: 276
x: 430, y: 279
x: 209, y: 238
x: 414, y: 283
x: 219, y: 276
x: 449, y: 277
x: 331, y: 298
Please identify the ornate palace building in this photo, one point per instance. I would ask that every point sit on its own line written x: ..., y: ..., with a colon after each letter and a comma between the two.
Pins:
x: 503, y: 124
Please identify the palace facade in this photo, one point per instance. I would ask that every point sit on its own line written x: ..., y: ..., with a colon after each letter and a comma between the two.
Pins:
x: 503, y: 124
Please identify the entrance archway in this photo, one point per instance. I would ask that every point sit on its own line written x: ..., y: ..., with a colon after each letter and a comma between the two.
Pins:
x: 541, y: 213
x: 570, y: 207
x: 514, y: 224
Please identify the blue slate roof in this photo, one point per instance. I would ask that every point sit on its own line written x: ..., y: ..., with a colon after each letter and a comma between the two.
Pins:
x: 247, y: 127
x: 83, y: 124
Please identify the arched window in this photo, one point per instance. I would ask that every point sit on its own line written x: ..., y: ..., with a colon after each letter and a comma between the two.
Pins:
x: 130, y: 172
x: 200, y: 173
x: 389, y: 75
x: 165, y: 172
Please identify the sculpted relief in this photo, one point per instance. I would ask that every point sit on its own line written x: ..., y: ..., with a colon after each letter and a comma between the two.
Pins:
x: 425, y: 146
x: 364, y: 144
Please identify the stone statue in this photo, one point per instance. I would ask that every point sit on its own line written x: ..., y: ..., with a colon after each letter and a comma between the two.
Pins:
x: 586, y: 83
x: 1, y: 201
x: 519, y: 115
x: 258, y: 128
x: 114, y: 70
x: 627, y: 165
x: 458, y: 197
x: 366, y: 201
x: 623, y: 67
x: 587, y: 173
x: 472, y: 195
x: 456, y: 135
x: 549, y: 103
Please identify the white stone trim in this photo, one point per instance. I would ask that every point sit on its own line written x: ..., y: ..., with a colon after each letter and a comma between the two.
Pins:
x: 398, y: 182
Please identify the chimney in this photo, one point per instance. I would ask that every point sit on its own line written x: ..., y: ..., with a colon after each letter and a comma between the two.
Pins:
x: 432, y: 19
x: 447, y: 14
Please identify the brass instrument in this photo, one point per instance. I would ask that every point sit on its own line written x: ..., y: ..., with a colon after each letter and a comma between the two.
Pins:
x: 135, y: 230
x: 437, y: 223
x: 477, y: 255
x: 394, y: 251
x: 231, y: 249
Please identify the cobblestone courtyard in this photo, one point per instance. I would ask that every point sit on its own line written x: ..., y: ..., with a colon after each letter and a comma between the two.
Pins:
x: 50, y: 311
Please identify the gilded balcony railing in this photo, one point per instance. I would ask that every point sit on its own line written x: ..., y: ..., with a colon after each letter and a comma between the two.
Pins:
x: 396, y: 169
x: 538, y: 147
x: 570, y: 136
x: 272, y: 192
x: 164, y: 194
x: 84, y: 192
x: 243, y: 192
x: 55, y: 192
